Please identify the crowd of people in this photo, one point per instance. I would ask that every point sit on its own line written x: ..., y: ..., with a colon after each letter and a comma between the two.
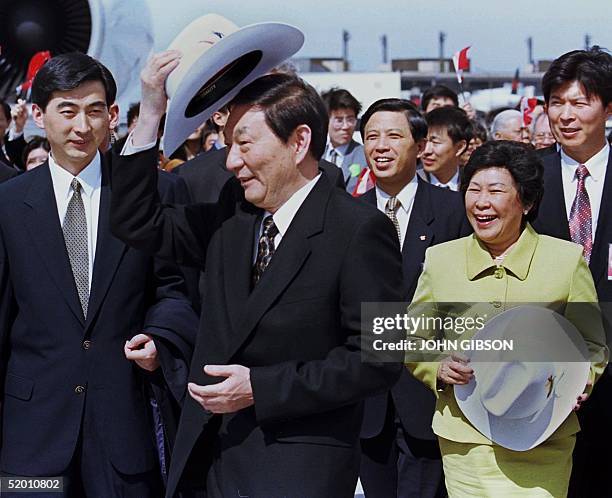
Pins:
x: 197, y: 333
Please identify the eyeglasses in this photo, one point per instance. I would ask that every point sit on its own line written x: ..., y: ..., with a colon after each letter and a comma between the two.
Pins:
x: 337, y: 121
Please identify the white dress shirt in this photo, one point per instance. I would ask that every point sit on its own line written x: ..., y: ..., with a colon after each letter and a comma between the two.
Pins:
x: 90, y: 179
x: 594, y: 183
x: 406, y: 198
x: 452, y: 184
x: 285, y: 214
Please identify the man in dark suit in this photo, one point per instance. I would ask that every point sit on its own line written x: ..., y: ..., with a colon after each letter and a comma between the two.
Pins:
x: 577, y: 206
x: 6, y: 172
x: 277, y: 378
x: 75, y: 302
x: 400, y: 455
x: 12, y: 142
x: 341, y: 149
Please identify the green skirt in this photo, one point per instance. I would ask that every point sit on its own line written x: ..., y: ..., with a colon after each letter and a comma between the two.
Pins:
x: 480, y: 470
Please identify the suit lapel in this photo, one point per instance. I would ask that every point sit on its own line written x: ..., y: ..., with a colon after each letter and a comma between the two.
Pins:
x: 286, y: 262
x: 45, y: 230
x: 419, y: 234
x: 603, y: 234
x: 109, y: 250
x: 554, y: 215
x: 238, y: 244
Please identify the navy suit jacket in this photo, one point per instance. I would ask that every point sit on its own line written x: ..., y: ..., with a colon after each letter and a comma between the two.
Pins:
x: 552, y: 220
x: 52, y: 361
x: 438, y: 215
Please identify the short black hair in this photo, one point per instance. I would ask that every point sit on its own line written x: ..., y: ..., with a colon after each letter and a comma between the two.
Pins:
x: 454, y: 120
x: 66, y: 72
x: 521, y: 161
x: 6, y: 109
x: 133, y: 112
x: 479, y: 130
x: 35, y: 142
x: 339, y: 98
x: 591, y: 68
x: 416, y: 122
x: 438, y: 91
x: 288, y: 102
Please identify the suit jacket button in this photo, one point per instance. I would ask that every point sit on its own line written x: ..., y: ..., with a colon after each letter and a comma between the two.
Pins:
x: 496, y: 304
x: 86, y: 344
x: 79, y: 389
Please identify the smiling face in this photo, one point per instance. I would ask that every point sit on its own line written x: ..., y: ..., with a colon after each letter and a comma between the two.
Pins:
x: 441, y: 156
x: 578, y: 121
x: 390, y: 150
x: 266, y: 167
x: 494, y: 208
x: 76, y: 123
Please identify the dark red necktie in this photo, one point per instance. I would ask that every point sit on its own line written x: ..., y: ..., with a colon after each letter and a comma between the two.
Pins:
x: 580, y: 221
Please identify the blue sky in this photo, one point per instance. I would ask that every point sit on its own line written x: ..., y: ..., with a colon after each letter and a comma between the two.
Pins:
x: 496, y: 30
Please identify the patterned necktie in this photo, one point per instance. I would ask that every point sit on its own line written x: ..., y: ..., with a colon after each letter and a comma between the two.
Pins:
x: 265, y: 248
x: 75, y: 238
x: 580, y: 222
x: 393, y: 204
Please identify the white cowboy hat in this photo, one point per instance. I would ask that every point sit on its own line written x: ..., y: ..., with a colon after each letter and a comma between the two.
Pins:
x: 218, y: 60
x: 518, y: 398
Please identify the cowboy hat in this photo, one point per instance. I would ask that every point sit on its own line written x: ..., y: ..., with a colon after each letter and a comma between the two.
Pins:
x: 218, y: 60
x: 518, y: 398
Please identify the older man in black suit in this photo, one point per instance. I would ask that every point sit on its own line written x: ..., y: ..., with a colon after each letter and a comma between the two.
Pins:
x: 401, y: 457
x: 277, y: 378
x: 577, y: 206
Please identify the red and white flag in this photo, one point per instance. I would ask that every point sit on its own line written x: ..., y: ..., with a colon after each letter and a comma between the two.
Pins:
x: 365, y: 182
x: 461, y: 63
x: 527, y: 108
x: 36, y: 62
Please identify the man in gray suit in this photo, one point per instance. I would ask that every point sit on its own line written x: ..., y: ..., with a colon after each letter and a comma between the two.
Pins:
x: 341, y: 149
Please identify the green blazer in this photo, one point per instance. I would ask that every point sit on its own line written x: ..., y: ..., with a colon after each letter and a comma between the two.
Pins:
x: 538, y: 269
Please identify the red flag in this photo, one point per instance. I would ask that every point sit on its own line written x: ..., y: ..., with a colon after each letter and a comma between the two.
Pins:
x: 365, y: 182
x: 461, y: 63
x: 527, y: 108
x: 36, y: 62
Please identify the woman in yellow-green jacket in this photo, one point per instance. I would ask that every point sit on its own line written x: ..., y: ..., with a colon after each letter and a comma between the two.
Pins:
x: 504, y: 262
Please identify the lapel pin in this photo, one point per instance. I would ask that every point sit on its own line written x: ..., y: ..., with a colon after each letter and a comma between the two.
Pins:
x: 422, y: 237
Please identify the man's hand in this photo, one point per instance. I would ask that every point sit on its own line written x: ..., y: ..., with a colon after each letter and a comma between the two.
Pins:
x: 141, y: 349
x: 19, y: 114
x: 583, y: 397
x: 231, y: 395
x: 454, y: 369
x: 469, y: 110
x: 153, y: 95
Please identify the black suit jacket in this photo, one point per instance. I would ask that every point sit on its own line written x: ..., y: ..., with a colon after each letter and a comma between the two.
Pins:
x: 552, y: 220
x: 14, y: 151
x: 298, y: 332
x: 47, y: 349
x: 6, y: 172
x: 438, y: 215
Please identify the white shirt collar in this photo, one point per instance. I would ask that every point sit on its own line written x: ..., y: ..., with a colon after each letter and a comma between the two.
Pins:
x: 405, y: 196
x: 453, y: 183
x: 596, y: 164
x: 90, y: 177
x: 341, y: 149
x: 285, y: 214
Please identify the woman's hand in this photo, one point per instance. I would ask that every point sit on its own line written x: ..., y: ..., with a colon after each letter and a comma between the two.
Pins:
x: 454, y: 369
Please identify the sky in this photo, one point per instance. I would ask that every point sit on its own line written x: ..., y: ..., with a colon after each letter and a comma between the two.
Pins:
x: 497, y: 31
